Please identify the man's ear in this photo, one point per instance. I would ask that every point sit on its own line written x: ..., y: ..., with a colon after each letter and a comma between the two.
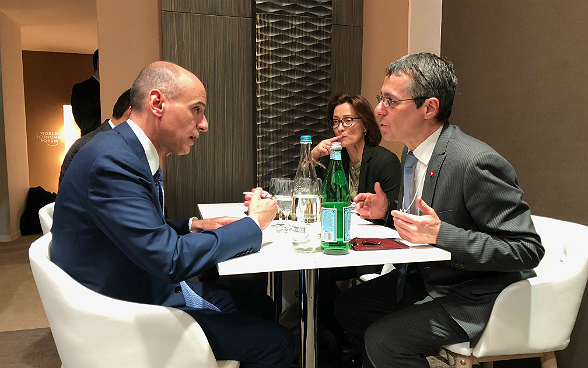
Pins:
x: 156, y: 103
x: 431, y: 107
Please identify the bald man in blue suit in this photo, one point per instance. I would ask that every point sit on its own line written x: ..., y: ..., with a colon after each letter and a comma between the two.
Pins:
x: 110, y: 233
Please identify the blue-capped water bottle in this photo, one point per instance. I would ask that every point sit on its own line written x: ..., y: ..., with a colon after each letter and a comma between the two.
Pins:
x: 306, y: 202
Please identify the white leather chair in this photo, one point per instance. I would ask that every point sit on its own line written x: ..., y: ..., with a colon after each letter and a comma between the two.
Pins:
x: 46, y: 217
x: 535, y: 317
x: 94, y: 331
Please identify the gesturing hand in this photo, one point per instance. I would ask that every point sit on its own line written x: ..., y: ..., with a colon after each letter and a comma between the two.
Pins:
x: 372, y: 206
x: 418, y: 229
x: 323, y: 148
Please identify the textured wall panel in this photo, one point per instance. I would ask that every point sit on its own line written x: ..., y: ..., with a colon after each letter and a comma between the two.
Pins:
x: 348, y: 12
x: 301, y: 8
x: 268, y: 78
x: 234, y: 8
x: 293, y: 81
x: 221, y: 164
x: 346, y: 56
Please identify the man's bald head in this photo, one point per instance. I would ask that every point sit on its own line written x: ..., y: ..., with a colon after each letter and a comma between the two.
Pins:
x: 163, y: 76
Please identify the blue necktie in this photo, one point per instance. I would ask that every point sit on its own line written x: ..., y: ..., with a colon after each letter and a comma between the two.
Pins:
x: 409, y: 161
x: 193, y: 300
x: 158, y: 178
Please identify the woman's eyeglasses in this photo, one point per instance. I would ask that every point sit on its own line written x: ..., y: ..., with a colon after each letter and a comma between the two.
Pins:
x: 347, y: 122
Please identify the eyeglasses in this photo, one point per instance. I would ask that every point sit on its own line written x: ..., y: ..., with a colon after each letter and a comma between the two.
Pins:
x: 389, y: 101
x: 347, y: 122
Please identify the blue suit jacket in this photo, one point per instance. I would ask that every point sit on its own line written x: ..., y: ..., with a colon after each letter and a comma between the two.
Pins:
x: 109, y: 232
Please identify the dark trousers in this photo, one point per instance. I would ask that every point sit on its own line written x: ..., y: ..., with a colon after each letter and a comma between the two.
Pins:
x: 391, y: 334
x: 245, y: 329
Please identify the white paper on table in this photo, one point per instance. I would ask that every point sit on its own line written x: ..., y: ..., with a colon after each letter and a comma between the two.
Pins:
x: 361, y: 228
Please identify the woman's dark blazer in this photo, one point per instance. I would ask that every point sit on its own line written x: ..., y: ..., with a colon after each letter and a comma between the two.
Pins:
x: 378, y: 164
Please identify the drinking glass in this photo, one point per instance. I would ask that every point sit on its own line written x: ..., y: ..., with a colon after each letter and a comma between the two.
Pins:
x: 282, y: 189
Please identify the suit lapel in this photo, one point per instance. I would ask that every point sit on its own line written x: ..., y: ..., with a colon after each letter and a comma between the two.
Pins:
x: 135, y: 145
x: 435, y: 163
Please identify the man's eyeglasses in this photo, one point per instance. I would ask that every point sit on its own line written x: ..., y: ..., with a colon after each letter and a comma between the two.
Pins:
x: 389, y: 101
x: 347, y: 122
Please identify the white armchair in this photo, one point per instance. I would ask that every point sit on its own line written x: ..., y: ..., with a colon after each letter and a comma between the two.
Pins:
x: 535, y: 317
x: 46, y: 217
x: 94, y: 331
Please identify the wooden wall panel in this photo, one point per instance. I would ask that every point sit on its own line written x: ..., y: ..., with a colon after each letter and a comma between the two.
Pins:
x: 348, y: 13
x: 221, y: 164
x: 346, y: 60
x: 234, y: 8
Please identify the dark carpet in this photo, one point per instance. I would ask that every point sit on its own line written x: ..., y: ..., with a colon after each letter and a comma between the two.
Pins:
x: 28, y: 348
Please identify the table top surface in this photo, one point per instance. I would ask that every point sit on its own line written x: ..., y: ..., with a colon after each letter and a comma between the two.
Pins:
x: 277, y: 253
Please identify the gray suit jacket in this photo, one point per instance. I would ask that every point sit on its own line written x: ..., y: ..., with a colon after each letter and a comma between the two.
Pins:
x: 485, y: 225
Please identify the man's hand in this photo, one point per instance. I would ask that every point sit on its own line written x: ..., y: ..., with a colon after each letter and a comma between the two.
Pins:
x: 372, y: 206
x: 211, y: 223
x: 261, y: 209
x: 418, y: 229
x: 323, y: 148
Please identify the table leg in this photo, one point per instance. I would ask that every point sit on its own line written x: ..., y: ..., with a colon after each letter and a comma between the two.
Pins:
x: 308, y: 315
x: 275, y: 291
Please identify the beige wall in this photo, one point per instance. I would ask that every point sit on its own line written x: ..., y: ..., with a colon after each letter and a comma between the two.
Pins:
x: 385, y: 39
x: 522, y: 85
x: 48, y: 79
x: 12, y: 199
x: 129, y: 38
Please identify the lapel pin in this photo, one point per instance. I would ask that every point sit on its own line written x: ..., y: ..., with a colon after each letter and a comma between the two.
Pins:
x: 432, y: 173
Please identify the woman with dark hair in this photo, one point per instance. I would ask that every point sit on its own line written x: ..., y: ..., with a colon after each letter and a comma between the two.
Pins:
x: 365, y: 163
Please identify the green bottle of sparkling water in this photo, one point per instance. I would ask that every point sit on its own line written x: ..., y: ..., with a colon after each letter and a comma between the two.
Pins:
x: 336, y: 209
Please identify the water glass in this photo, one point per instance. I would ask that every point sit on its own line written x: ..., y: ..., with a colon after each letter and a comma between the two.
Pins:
x: 282, y: 189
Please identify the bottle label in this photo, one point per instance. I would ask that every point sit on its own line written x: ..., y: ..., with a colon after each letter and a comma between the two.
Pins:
x: 346, y: 224
x: 329, y: 225
x: 335, y: 155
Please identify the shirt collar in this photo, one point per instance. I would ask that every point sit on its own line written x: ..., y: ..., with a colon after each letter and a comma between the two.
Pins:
x: 425, y: 150
x: 111, y: 123
x: 148, y: 146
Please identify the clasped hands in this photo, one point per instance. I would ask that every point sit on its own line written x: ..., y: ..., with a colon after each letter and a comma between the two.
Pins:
x: 263, y: 210
x: 416, y: 229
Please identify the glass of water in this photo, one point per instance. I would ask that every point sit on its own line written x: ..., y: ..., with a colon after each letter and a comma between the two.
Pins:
x: 282, y: 189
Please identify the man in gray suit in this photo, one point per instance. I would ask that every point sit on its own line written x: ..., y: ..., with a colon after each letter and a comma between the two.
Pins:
x: 464, y: 198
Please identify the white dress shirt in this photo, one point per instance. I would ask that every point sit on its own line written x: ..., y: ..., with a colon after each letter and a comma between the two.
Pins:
x: 423, y: 153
